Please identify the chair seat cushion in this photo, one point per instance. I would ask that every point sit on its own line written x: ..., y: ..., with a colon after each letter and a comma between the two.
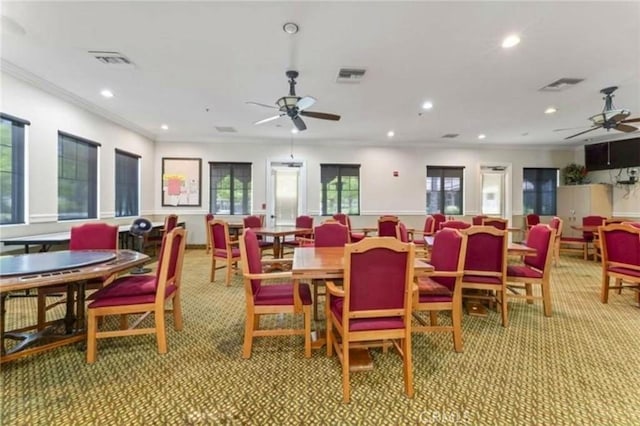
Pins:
x: 235, y: 252
x: 426, y: 285
x: 281, y: 294
x: 481, y: 279
x: 364, y: 324
x: 124, y: 286
x: 262, y: 244
x: 523, y: 271
x: 130, y: 297
x: 356, y: 236
x: 625, y: 271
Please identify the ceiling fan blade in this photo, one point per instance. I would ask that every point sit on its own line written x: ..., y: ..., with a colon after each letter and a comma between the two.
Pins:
x: 265, y: 120
x: 568, y: 128
x: 306, y: 102
x: 581, y: 133
x: 321, y: 115
x: 297, y: 121
x: 262, y: 105
x: 625, y: 128
x: 631, y: 120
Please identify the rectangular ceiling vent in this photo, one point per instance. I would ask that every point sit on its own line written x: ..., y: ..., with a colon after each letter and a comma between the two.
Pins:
x: 350, y: 75
x: 226, y: 129
x: 451, y: 135
x: 561, y: 84
x: 112, y: 59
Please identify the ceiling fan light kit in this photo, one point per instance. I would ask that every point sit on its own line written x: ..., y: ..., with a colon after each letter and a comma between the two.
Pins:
x: 295, y: 106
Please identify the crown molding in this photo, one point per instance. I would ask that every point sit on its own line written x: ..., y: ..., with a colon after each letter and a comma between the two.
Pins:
x: 45, y: 85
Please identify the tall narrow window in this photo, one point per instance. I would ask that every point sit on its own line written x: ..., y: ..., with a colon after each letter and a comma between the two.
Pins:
x: 340, y: 187
x: 444, y: 190
x: 539, y: 191
x: 230, y: 191
x: 127, y: 184
x: 77, y: 178
x: 12, y: 169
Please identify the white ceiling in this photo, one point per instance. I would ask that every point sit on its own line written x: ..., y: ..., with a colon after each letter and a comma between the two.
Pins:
x: 194, y: 56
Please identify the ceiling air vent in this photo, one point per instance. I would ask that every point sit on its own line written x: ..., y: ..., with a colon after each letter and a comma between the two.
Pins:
x: 561, y: 84
x: 226, y: 129
x: 114, y: 59
x: 350, y: 75
x: 451, y: 135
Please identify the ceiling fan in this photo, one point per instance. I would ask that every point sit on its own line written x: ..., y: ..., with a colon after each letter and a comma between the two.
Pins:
x: 610, y: 118
x: 295, y: 106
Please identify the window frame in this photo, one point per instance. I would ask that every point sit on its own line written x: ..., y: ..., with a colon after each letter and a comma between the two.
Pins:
x: 17, y: 169
x: 341, y: 168
x: 439, y: 172
x: 131, y: 186
x: 247, y: 192
x: 91, y: 181
x: 538, y: 192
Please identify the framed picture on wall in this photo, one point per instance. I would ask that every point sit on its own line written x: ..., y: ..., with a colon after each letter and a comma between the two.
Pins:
x: 181, y: 186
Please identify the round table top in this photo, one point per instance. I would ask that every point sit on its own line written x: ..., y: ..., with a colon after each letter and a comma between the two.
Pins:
x: 37, y: 263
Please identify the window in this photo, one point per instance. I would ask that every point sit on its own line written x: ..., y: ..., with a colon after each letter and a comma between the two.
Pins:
x: 127, y: 184
x: 12, y: 165
x: 340, y: 188
x: 77, y: 178
x: 539, y: 191
x: 444, y: 190
x: 230, y: 191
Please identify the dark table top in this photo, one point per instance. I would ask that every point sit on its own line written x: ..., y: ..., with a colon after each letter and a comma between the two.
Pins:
x: 36, y: 263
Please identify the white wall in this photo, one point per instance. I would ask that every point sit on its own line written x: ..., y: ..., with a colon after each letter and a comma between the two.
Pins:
x: 626, y: 198
x: 48, y: 114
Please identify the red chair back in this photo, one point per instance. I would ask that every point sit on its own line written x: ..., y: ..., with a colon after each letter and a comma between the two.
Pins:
x: 620, y: 243
x: 168, y: 273
x: 401, y: 232
x: 94, y: 236
x: 538, y: 239
x: 455, y: 224
x: 477, y: 220
x: 252, y: 222
x: 219, y: 230
x: 438, y: 218
x: 253, y: 257
x: 387, y: 226
x: 304, y: 222
x: 170, y: 222
x: 591, y: 221
x: 429, y: 225
x: 532, y: 220
x: 446, y: 256
x: 208, y: 217
x: 556, y: 223
x: 343, y: 219
x: 496, y: 222
x: 486, y: 249
x: 331, y: 234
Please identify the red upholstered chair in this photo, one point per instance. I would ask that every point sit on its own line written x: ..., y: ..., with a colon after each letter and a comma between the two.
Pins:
x: 258, y: 222
x: 530, y: 220
x: 141, y: 294
x: 374, y: 303
x: 208, y: 217
x: 401, y: 232
x: 387, y: 226
x: 224, y: 249
x: 274, y: 299
x: 154, y: 239
x: 581, y: 244
x: 303, y: 221
x: 477, y: 220
x: 496, y: 222
x: 620, y: 245
x: 485, y: 266
x: 330, y: 233
x: 455, y: 224
x: 597, y: 252
x: 535, y: 269
x: 556, y: 224
x: 344, y: 219
x: 89, y: 236
x: 438, y: 218
x: 442, y: 290
x: 417, y: 237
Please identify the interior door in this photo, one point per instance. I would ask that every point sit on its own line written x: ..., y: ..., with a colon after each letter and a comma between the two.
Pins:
x: 286, y: 193
x: 493, y: 192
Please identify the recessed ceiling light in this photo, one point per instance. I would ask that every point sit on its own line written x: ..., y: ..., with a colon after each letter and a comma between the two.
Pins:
x: 550, y: 110
x: 164, y: 127
x: 391, y: 133
x: 482, y: 136
x: 427, y: 105
x: 107, y: 93
x: 510, y: 41
x: 290, y: 28
x: 294, y: 130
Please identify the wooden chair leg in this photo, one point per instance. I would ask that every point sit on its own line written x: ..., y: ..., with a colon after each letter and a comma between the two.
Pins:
x: 229, y: 271
x: 407, y: 365
x: 546, y: 298
x: 307, y: 331
x: 604, y: 292
x: 213, y: 270
x: 456, y: 319
x: 503, y: 305
x: 161, y: 331
x: 346, y: 391
x: 529, y: 293
x: 248, y: 336
x: 177, y: 311
x: 315, y: 284
x: 433, y: 317
x: 328, y: 327
x: 92, y: 330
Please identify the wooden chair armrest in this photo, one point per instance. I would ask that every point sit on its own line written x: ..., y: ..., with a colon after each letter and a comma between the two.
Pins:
x: 268, y: 276
x: 449, y: 274
x: 333, y: 289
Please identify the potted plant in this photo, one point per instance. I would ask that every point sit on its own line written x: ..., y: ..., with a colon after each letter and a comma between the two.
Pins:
x: 574, y: 174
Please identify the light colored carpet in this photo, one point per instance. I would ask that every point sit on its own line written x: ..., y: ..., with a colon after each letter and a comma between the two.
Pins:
x: 579, y: 367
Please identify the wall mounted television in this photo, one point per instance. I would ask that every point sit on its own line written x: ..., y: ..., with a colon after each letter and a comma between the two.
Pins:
x: 612, y: 155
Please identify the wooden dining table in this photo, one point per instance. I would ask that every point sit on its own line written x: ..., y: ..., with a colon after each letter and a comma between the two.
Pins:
x: 323, y: 263
x: 73, y: 268
x: 278, y: 233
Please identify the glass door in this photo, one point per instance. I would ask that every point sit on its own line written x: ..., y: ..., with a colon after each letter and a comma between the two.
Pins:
x: 285, y: 184
x: 493, y: 191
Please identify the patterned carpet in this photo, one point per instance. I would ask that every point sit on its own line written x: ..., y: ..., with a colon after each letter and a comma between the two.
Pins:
x: 579, y: 367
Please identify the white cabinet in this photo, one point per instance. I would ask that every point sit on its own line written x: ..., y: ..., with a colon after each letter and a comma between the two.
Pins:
x: 578, y: 201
